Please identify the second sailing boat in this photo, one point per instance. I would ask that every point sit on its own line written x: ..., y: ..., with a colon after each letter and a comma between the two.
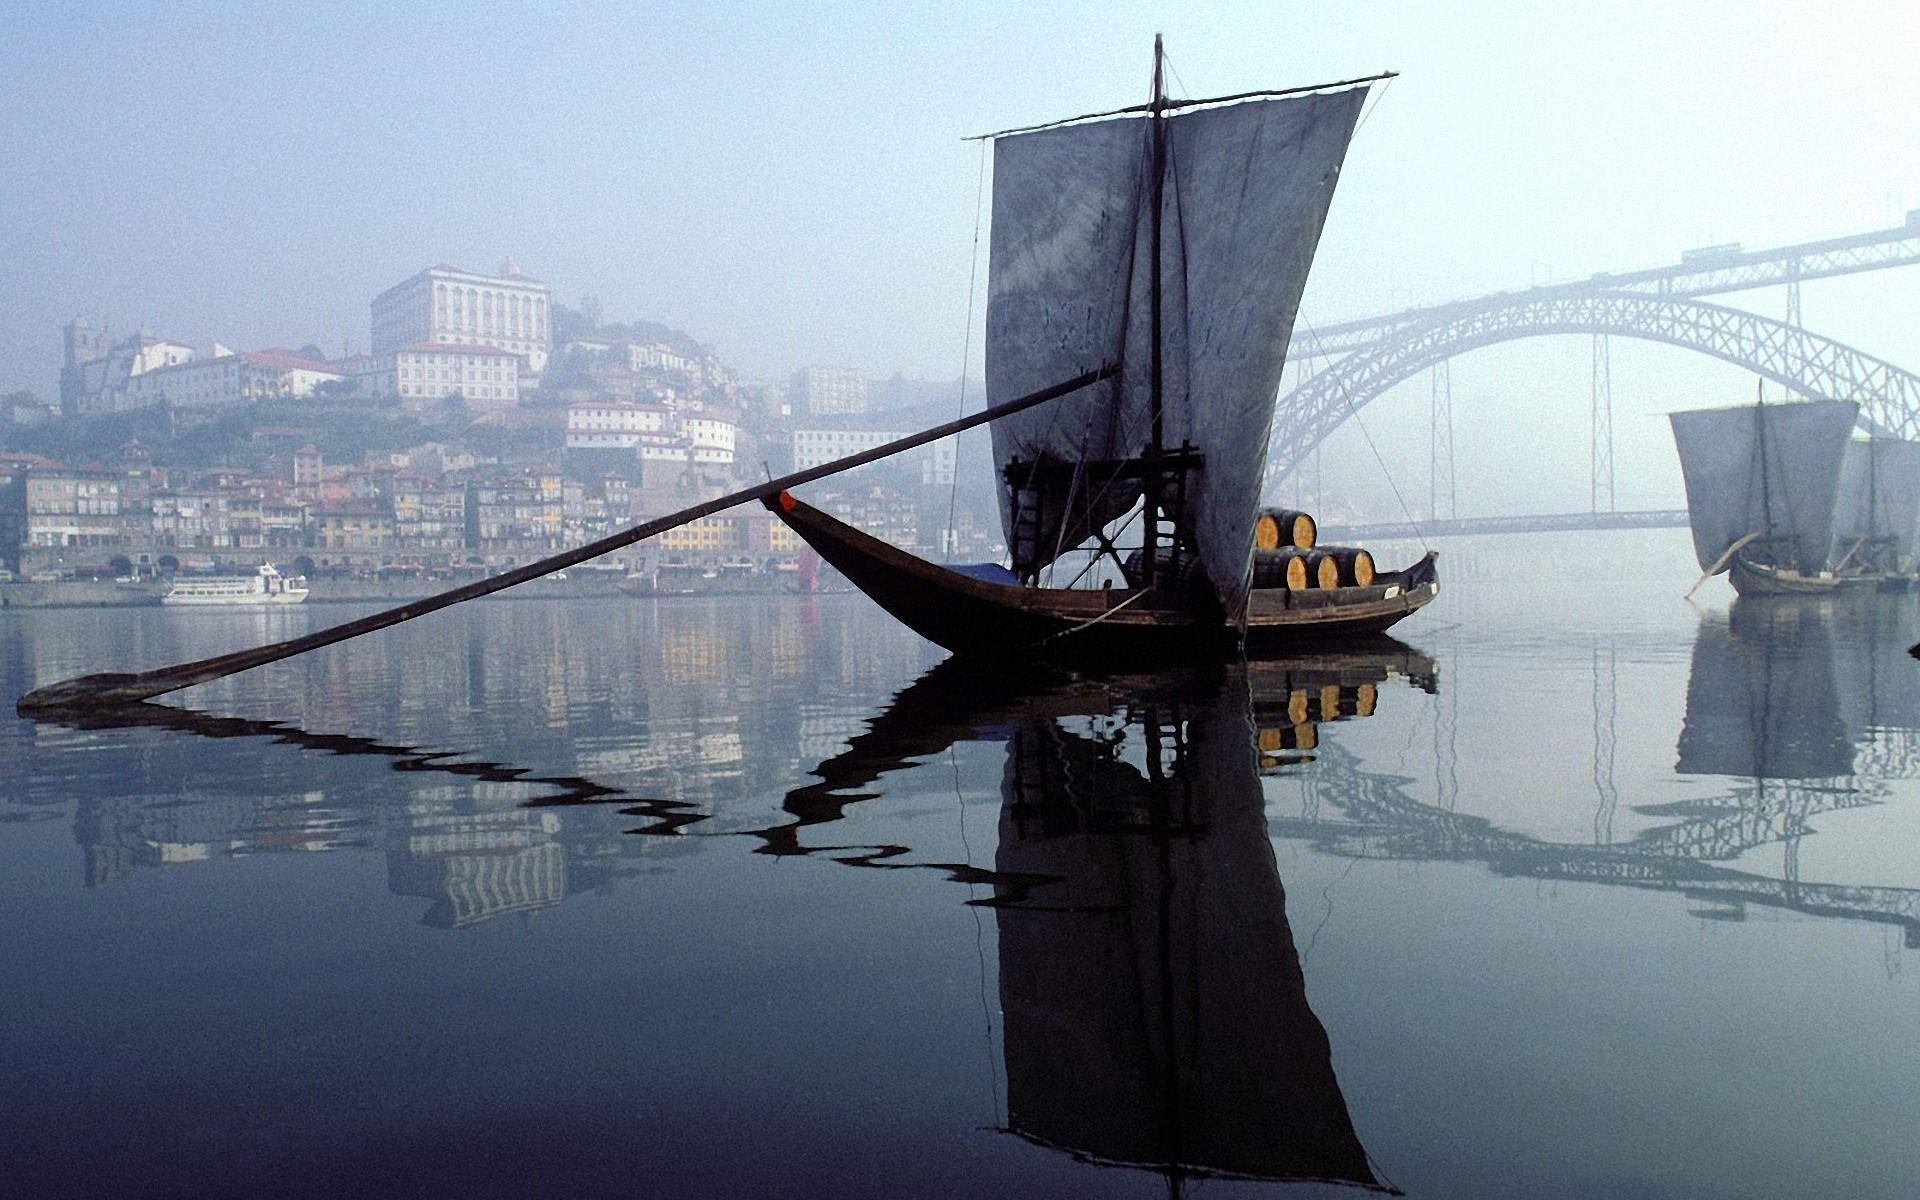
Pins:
x: 1784, y: 499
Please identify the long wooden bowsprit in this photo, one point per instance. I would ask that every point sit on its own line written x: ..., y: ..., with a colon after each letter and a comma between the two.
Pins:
x: 108, y: 689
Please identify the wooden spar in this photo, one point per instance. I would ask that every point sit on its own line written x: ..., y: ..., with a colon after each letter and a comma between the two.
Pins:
x: 1132, y: 109
x: 1719, y: 564
x: 122, y: 688
x: 1853, y: 550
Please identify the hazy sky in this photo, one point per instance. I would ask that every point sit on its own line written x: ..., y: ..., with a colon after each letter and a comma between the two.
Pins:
x: 788, y: 181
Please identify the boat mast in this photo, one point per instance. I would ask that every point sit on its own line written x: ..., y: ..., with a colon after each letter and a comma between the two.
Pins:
x: 1766, y: 495
x: 1156, y: 190
x: 1873, y: 505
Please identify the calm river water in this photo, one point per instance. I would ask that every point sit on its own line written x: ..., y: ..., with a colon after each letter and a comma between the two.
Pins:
x: 1567, y: 894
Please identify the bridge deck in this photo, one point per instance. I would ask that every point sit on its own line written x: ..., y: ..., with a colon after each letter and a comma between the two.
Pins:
x: 1655, y: 518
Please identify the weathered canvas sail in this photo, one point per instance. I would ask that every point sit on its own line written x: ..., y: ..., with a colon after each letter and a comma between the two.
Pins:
x: 1879, y: 497
x: 1728, y: 497
x: 1245, y: 196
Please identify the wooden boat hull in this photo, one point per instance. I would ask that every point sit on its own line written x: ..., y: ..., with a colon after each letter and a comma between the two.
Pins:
x: 1762, y: 579
x: 975, y: 616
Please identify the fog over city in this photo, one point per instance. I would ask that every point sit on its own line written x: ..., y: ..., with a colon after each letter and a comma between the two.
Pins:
x: 558, y: 644
x: 789, y: 184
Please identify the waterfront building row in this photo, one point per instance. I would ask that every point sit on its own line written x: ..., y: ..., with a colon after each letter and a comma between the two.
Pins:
x: 58, y: 520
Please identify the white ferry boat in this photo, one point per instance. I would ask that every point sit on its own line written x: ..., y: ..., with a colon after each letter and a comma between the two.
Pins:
x: 265, y: 586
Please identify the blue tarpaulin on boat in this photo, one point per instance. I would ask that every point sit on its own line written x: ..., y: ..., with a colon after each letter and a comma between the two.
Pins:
x: 987, y: 573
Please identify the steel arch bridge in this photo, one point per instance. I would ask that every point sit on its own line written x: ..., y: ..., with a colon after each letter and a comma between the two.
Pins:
x: 1813, y: 366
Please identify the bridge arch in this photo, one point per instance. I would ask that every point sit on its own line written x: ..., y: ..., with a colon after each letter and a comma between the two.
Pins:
x: 1806, y: 363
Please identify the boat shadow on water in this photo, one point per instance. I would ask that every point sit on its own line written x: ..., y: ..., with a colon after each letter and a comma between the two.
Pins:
x: 1142, y: 927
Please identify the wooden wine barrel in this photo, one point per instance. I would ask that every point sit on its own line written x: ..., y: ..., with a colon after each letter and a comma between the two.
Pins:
x: 1355, y: 565
x: 1189, y: 575
x: 1272, y: 740
x: 1330, y: 702
x: 1323, y: 570
x: 1277, y: 527
x: 1285, y: 567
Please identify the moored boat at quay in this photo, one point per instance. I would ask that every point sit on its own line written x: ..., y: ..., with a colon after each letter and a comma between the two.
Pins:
x: 265, y: 586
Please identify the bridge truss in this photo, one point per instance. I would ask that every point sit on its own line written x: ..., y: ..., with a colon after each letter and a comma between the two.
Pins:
x: 1350, y: 811
x: 1709, y: 272
x: 1803, y: 362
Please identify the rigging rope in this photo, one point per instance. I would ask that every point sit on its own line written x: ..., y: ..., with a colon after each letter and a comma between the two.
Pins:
x: 966, y: 350
x: 1354, y: 412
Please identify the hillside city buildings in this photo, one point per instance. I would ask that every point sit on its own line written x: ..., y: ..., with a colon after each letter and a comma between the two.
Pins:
x: 583, y: 438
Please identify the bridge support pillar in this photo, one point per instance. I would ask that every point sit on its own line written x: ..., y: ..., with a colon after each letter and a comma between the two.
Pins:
x: 1600, y: 425
x: 1440, y: 489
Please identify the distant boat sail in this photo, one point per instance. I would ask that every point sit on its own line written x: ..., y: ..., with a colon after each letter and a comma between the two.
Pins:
x: 1770, y: 470
x: 1785, y: 497
x: 1876, y: 519
x: 1176, y: 246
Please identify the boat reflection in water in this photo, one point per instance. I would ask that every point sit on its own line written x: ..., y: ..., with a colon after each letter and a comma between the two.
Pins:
x: 1154, y: 1010
x: 1805, y: 708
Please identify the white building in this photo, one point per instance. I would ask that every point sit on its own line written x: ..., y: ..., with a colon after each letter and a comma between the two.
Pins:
x: 95, y: 375
x: 824, y: 391
x: 611, y: 425
x: 641, y: 357
x: 652, y: 432
x: 663, y: 447
x: 448, y: 306
x: 712, y: 439
x: 231, y: 379
x: 421, y: 375
x: 814, y: 446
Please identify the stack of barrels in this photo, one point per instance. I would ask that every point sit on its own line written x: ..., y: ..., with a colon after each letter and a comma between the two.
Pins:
x: 1286, y: 730
x: 1285, y: 555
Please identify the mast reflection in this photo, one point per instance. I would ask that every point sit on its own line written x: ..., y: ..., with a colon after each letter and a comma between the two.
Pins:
x: 1155, y: 1013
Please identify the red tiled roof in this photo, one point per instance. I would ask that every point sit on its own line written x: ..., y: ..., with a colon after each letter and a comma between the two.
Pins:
x: 459, y: 348
x: 21, y: 458
x: 283, y: 360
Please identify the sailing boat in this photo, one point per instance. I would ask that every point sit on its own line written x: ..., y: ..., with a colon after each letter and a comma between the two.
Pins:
x: 1172, y: 238
x: 1783, y: 497
x: 1877, y: 514
x: 1762, y: 480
